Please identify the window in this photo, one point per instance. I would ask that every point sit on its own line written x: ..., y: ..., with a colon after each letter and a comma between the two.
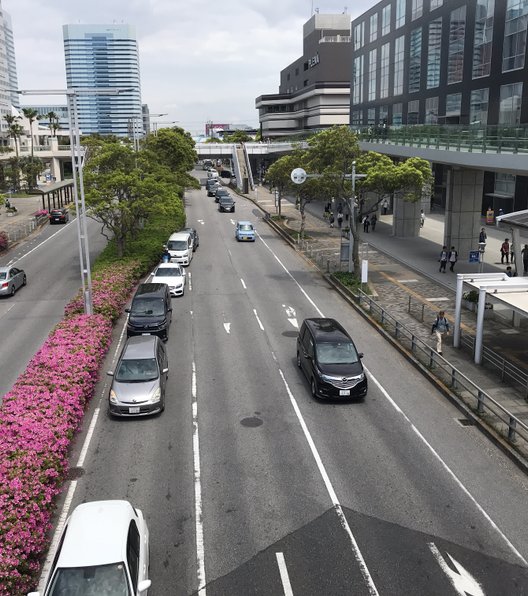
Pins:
x: 436, y: 4
x: 413, y: 112
x: 357, y: 80
x: 296, y: 71
x: 415, y: 58
x: 305, y: 83
x: 371, y: 116
x: 505, y: 184
x: 478, y: 107
x: 433, y: 53
x: 133, y: 547
x: 374, y: 27
x: 453, y: 105
x: 356, y: 118
x: 510, y: 104
x: 399, y: 60
x: 400, y: 13
x: 397, y: 110
x: 431, y: 110
x: 373, y: 54
x: 514, y: 47
x: 386, y: 19
x: 359, y: 36
x: 483, y: 38
x: 384, y: 70
x: 416, y: 9
x: 383, y: 115
x: 457, y: 33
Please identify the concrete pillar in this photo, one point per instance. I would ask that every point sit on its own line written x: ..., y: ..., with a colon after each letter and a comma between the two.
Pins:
x: 55, y: 169
x: 406, y: 220
x: 463, y: 210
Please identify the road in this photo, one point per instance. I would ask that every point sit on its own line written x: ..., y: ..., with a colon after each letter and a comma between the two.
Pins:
x: 50, y: 259
x: 249, y: 486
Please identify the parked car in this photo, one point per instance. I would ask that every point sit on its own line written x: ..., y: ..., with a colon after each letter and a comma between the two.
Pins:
x: 181, y: 246
x: 59, y: 216
x: 140, y: 378
x: 244, y: 230
x: 226, y: 204
x: 211, y: 188
x: 150, y: 311
x: 103, y: 549
x: 11, y: 278
x: 171, y: 274
x: 328, y: 357
x: 225, y: 174
x: 194, y: 233
x: 221, y: 192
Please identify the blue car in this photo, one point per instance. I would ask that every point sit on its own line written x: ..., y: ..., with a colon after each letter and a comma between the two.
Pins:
x: 244, y: 230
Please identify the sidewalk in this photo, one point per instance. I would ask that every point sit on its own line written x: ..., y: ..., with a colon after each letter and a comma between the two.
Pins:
x: 404, y: 274
x: 23, y: 223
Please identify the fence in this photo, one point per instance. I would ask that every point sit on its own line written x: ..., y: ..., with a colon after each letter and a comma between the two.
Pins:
x: 23, y: 229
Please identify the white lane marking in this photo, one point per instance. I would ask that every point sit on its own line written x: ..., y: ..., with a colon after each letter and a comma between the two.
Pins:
x: 227, y: 327
x: 189, y: 278
x: 407, y: 281
x: 73, y: 484
x: 198, y: 507
x: 243, y: 284
x: 372, y: 590
x: 463, y: 582
x: 233, y: 222
x: 258, y: 320
x: 447, y: 468
x: 8, y: 308
x: 442, y: 299
x: 292, y: 315
x: 285, y: 578
x: 44, y: 241
x: 200, y: 221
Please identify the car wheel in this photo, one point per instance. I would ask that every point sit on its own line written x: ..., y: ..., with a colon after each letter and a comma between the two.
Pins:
x: 24, y: 281
x: 12, y: 293
x: 298, y: 359
x: 313, y: 389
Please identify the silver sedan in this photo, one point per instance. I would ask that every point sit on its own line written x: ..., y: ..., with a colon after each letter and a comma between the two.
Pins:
x: 11, y: 278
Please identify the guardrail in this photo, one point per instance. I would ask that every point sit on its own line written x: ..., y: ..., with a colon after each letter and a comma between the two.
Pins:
x: 514, y: 430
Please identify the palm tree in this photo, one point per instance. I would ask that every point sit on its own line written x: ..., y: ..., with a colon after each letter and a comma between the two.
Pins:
x: 31, y: 114
x: 53, y: 120
x: 14, y: 129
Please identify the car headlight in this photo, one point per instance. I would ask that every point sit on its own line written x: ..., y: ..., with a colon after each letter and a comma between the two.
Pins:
x: 327, y: 378
x: 113, y: 397
x: 156, y: 395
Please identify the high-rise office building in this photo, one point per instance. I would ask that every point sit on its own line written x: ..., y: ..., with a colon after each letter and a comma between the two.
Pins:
x: 8, y: 72
x: 100, y: 56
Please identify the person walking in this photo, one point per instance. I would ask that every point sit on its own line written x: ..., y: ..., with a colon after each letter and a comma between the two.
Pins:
x: 444, y: 255
x: 482, y: 236
x: 505, y: 251
x: 385, y: 206
x: 373, y: 221
x: 524, y: 253
x: 340, y: 218
x: 422, y: 218
x: 452, y: 258
x: 331, y: 219
x: 366, y: 223
x: 441, y: 329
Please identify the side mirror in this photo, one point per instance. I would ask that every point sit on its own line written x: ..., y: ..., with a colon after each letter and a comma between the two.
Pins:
x: 127, y: 310
x: 184, y: 273
x: 360, y: 354
x: 144, y: 585
x: 110, y: 373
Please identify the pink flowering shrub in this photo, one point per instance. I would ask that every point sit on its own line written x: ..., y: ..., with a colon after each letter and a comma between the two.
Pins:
x: 111, y: 288
x: 38, y: 420
x: 41, y: 213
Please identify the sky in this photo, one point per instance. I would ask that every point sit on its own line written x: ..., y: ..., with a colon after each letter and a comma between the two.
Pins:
x: 199, y: 60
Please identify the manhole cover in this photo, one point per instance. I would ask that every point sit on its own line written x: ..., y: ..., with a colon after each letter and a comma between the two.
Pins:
x: 252, y: 421
x: 75, y: 473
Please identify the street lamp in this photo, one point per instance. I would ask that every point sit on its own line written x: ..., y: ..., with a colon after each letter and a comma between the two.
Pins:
x: 77, y: 167
x: 352, y: 215
x: 166, y: 122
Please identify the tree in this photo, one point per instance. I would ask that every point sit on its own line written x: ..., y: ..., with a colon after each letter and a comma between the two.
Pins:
x: 30, y: 167
x: 31, y: 114
x: 53, y: 121
x: 14, y: 129
x: 124, y: 189
x: 237, y: 136
x: 278, y: 175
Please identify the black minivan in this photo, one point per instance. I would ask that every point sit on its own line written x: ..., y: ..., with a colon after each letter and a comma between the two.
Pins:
x: 151, y: 311
x: 329, y: 359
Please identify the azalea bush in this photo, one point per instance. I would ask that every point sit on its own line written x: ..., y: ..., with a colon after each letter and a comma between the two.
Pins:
x: 38, y: 420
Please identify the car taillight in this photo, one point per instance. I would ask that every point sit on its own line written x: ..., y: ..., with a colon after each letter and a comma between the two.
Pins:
x: 5, y: 284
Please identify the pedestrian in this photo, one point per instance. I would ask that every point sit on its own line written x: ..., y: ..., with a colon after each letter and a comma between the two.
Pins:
x: 7, y: 203
x: 501, y: 211
x: 366, y: 223
x: 331, y: 219
x: 524, y: 253
x: 482, y: 236
x: 505, y: 251
x: 422, y: 218
x: 509, y: 272
x: 373, y: 221
x: 441, y: 328
x: 452, y: 258
x: 339, y: 218
x: 443, y: 259
x: 326, y: 213
x: 385, y: 206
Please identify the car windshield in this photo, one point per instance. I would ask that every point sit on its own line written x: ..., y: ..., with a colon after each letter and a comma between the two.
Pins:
x: 56, y: 212
x: 148, y: 306
x: 226, y: 200
x: 177, y: 245
x: 109, y: 580
x: 336, y: 353
x: 168, y: 272
x: 137, y: 370
x: 222, y: 192
x: 246, y: 227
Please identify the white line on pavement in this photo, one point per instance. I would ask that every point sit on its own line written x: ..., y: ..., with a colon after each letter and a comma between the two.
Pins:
x: 285, y: 578
x: 243, y: 284
x: 258, y: 320
x: 189, y: 277
x: 44, y: 241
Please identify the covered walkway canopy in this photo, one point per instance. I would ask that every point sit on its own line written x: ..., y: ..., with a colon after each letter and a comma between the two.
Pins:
x: 510, y: 291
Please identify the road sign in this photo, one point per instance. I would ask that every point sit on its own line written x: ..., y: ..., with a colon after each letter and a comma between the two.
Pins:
x: 298, y: 176
x: 474, y: 256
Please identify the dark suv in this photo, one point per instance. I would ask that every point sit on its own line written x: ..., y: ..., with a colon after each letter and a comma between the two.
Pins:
x: 221, y: 192
x: 226, y: 204
x: 328, y: 357
x: 151, y: 311
x: 58, y: 215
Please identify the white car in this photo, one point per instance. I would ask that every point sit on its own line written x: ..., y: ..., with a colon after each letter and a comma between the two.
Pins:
x: 171, y: 274
x: 103, y: 549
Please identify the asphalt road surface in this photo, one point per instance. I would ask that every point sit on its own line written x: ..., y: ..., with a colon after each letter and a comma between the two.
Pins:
x: 249, y: 486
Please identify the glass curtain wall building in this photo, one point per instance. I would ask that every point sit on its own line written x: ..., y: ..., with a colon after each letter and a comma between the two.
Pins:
x: 8, y: 71
x: 102, y: 56
x: 443, y: 62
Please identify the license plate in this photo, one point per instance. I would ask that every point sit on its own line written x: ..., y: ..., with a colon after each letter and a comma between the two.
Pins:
x: 145, y: 334
x: 344, y: 392
x: 133, y: 410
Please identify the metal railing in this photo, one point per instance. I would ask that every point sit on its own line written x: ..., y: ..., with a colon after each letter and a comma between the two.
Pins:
x: 25, y: 228
x: 514, y: 430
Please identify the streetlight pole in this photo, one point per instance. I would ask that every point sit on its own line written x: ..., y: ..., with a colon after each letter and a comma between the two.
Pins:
x: 352, y: 215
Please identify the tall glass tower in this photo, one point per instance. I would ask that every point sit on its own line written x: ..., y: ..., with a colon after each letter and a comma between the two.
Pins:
x: 105, y: 56
x: 8, y: 72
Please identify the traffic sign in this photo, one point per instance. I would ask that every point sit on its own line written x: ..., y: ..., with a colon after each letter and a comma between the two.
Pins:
x: 474, y: 256
x: 298, y: 176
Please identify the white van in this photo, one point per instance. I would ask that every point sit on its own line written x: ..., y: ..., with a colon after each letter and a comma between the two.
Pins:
x: 212, y: 174
x: 180, y: 247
